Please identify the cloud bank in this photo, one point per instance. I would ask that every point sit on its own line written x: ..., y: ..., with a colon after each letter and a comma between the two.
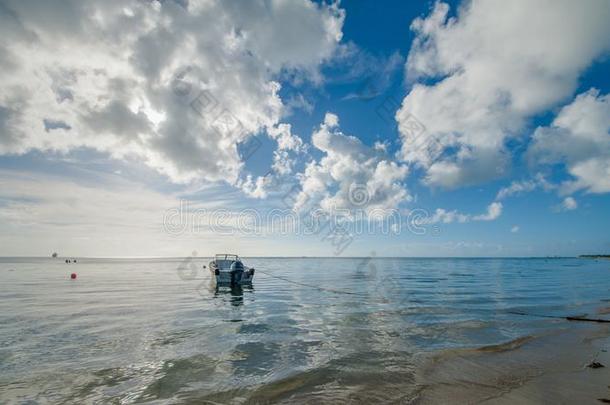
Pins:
x: 177, y: 85
x: 579, y: 137
x: 493, y: 67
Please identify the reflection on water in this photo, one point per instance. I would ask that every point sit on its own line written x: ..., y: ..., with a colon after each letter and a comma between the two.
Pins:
x: 308, y: 330
x: 235, y: 293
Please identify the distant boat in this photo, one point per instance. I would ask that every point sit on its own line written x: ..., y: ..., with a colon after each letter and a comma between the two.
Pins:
x: 228, y: 269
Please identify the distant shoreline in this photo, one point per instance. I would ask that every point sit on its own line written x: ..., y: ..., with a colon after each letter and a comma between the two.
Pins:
x: 595, y: 256
x: 300, y: 257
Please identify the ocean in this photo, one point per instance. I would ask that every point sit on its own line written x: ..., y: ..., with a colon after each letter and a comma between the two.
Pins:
x: 308, y: 330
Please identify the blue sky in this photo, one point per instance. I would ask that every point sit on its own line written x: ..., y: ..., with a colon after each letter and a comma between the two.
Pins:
x: 323, y: 95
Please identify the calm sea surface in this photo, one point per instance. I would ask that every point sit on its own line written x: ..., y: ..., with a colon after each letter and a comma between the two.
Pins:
x: 157, y: 331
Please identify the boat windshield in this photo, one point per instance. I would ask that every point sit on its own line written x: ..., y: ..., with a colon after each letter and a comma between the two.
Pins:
x: 227, y: 257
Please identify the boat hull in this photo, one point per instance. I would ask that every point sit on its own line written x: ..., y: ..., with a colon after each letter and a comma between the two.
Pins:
x: 235, y: 278
x: 234, y: 275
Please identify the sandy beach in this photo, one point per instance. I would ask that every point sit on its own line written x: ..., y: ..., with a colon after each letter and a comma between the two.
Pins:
x: 548, y: 369
x: 552, y: 368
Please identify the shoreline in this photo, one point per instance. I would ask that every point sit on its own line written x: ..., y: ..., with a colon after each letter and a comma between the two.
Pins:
x: 550, y: 368
x: 546, y: 368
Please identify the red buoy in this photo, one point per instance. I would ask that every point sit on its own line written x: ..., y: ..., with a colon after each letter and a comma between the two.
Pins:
x: 73, y: 276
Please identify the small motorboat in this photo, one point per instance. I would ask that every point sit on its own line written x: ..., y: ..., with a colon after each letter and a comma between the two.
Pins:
x: 229, y: 270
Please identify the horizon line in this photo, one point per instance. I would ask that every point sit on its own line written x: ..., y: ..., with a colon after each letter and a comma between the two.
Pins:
x: 303, y: 257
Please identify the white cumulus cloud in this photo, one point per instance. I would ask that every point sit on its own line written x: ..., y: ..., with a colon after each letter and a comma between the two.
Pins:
x: 569, y: 203
x: 350, y: 175
x: 579, y: 137
x: 175, y: 84
x: 493, y: 212
x: 521, y: 187
x: 493, y: 67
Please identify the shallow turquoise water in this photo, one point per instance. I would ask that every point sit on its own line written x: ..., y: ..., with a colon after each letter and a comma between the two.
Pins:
x: 309, y: 329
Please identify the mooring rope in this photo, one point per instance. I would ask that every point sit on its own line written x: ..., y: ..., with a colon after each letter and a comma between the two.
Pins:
x: 331, y: 290
x: 336, y: 291
x: 352, y: 293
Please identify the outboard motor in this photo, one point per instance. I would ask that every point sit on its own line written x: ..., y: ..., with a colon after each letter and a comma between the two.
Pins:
x: 237, y: 269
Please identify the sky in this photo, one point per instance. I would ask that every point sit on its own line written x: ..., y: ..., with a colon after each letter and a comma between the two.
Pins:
x: 300, y: 128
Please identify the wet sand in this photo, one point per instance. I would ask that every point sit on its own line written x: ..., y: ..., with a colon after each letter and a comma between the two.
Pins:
x: 531, y: 370
x: 546, y: 369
